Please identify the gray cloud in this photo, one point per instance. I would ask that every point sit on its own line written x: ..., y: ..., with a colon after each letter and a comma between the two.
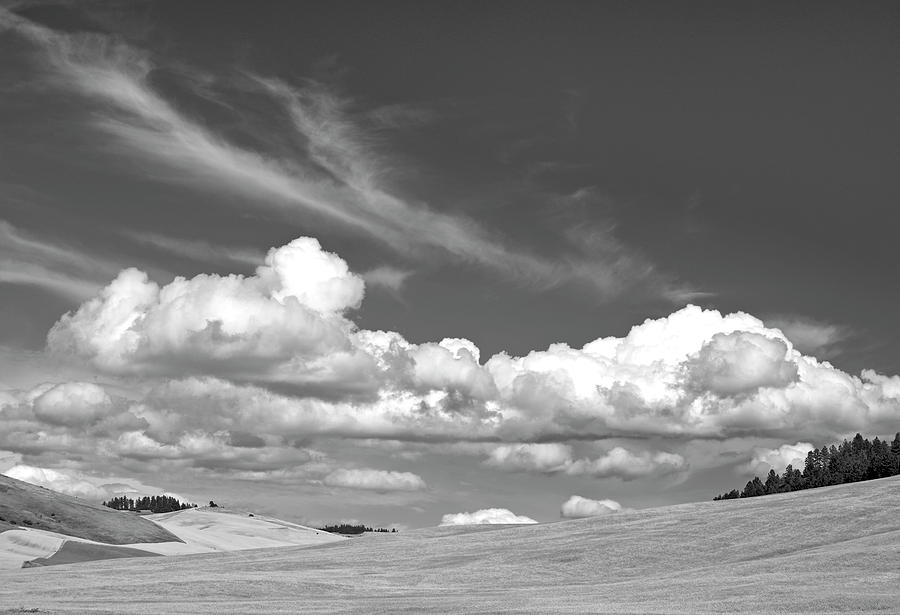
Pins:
x: 374, y: 480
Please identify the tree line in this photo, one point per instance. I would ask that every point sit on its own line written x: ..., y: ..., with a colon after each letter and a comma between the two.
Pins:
x: 155, y: 504
x: 849, y: 462
x: 346, y: 528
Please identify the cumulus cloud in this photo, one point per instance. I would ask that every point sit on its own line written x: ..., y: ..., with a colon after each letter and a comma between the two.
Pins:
x: 694, y: 373
x: 273, y: 356
x: 777, y: 459
x: 73, y: 404
x: 741, y: 362
x: 375, y: 480
x: 291, y: 310
x: 577, y: 507
x: 486, y: 516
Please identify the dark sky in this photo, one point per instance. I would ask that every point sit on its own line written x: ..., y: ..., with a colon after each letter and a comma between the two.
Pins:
x: 515, y: 173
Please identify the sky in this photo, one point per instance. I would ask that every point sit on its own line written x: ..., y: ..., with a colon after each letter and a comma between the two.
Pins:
x: 405, y: 262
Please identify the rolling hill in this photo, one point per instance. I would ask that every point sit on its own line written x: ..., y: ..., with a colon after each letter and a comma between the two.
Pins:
x: 39, y: 527
x: 830, y: 550
x: 204, y: 530
x: 26, y: 505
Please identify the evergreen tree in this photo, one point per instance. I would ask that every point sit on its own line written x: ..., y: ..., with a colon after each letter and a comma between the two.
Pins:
x: 850, y: 461
x: 753, y: 488
x: 773, y: 483
x: 895, y: 455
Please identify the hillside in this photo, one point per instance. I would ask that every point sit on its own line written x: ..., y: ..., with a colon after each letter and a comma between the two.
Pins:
x: 29, y: 506
x: 830, y: 550
x: 218, y: 529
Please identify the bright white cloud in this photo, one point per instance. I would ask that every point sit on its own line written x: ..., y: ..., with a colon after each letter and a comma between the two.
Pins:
x: 577, y: 507
x: 777, y: 459
x: 290, y: 310
x: 375, y: 480
x: 486, y: 516
x: 694, y: 373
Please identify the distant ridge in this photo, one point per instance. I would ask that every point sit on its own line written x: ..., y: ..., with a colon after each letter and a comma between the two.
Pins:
x: 26, y: 505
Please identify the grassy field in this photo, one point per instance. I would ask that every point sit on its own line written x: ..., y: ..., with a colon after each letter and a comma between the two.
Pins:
x: 25, y: 505
x: 832, y: 550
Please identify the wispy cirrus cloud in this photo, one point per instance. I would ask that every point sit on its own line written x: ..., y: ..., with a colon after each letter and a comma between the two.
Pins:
x: 337, y: 176
x: 811, y: 336
x: 199, y: 250
x: 64, y: 270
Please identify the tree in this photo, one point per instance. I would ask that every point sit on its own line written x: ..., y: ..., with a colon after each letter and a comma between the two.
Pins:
x: 792, y: 479
x: 850, y: 461
x: 753, y: 488
x: 774, y: 483
x: 895, y: 454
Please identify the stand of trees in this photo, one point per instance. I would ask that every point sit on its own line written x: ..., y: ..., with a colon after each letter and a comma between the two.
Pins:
x: 345, y: 528
x: 850, y: 462
x: 156, y: 504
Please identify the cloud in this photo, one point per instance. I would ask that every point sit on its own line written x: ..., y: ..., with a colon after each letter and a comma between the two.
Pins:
x: 199, y: 250
x: 387, y: 277
x: 375, y: 480
x: 64, y: 270
x: 339, y: 175
x: 577, y: 507
x: 811, y: 336
x: 57, y: 481
x: 486, y: 516
x: 89, y: 487
x: 777, y: 459
x: 73, y: 403
x: 291, y: 309
x: 624, y: 464
x: 552, y: 457
x: 737, y: 363
x: 695, y: 373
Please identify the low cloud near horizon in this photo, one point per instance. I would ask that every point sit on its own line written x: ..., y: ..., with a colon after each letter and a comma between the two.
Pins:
x: 77, y: 484
x: 577, y: 507
x: 486, y: 516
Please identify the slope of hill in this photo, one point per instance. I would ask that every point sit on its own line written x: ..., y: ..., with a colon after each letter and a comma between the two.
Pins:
x: 830, y: 550
x: 205, y: 530
x: 26, y: 505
